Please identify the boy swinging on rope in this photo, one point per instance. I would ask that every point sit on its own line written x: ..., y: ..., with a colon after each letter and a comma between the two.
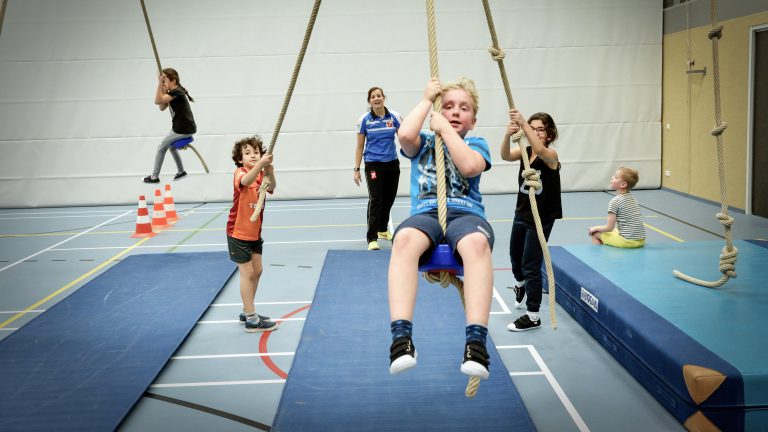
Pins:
x: 468, y: 233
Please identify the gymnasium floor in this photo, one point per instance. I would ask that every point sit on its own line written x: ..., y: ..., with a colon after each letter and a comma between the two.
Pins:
x: 218, y: 380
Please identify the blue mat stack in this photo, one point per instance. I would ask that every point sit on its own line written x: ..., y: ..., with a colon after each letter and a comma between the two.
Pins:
x: 83, y: 364
x: 339, y: 379
x: 697, y: 350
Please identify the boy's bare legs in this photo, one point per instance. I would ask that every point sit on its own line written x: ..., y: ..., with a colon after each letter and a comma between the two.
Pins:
x: 403, y: 280
x: 596, y: 238
x: 250, y: 273
x: 407, y: 248
x: 478, y: 289
x: 478, y: 277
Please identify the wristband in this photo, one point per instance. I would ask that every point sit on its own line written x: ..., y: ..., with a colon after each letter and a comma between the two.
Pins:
x: 355, y: 169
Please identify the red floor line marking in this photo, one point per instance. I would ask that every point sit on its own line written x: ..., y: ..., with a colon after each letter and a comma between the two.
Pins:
x: 263, y: 346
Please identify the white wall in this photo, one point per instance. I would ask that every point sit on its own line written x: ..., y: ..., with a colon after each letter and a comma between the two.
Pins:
x: 77, y: 79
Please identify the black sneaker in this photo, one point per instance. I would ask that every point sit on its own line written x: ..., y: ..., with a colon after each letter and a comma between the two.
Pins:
x: 524, y: 323
x: 180, y: 175
x: 519, y: 294
x: 149, y: 179
x: 261, y: 317
x: 258, y: 325
x: 402, y: 355
x: 476, y: 360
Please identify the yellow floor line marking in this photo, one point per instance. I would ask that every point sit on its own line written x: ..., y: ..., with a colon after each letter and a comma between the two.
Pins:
x: 664, y: 233
x: 71, y: 284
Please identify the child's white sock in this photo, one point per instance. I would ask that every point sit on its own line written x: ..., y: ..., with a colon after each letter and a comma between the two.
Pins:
x: 534, y: 316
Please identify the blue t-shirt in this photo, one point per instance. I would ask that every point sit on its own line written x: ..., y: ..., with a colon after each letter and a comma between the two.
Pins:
x: 379, y: 135
x: 463, y: 193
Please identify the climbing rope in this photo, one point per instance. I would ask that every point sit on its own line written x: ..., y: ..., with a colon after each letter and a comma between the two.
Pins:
x: 444, y: 278
x: 729, y: 252
x: 160, y: 71
x: 299, y: 60
x: 531, y: 175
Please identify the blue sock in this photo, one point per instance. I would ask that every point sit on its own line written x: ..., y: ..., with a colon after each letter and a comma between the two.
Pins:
x: 476, y: 332
x: 401, y: 328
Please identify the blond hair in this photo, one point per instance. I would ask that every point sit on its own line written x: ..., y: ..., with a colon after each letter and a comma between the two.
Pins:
x: 468, y: 86
x: 630, y: 176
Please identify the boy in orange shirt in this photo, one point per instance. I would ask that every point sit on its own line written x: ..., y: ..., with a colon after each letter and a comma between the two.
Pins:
x: 243, y: 236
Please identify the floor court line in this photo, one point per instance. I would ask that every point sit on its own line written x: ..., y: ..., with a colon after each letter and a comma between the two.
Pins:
x: 237, y: 321
x: 224, y: 356
x: 544, y: 370
x: 217, y: 383
x: 64, y: 241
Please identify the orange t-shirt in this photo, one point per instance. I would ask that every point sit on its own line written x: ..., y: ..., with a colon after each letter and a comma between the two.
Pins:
x: 239, y: 224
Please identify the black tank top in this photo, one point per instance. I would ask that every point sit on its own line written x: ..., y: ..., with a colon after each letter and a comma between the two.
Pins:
x: 547, y: 198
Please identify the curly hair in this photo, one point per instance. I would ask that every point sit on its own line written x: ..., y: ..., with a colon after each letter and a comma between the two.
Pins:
x: 253, y: 141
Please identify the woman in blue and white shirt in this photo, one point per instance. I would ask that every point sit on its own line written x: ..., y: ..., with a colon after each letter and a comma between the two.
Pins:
x: 376, y: 131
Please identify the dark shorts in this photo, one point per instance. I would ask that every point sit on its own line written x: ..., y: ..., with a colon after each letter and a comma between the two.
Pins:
x: 240, y: 251
x: 460, y: 224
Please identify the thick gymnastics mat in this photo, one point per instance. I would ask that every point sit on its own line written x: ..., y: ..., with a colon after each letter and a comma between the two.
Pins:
x: 83, y: 364
x: 700, y: 352
x: 340, y: 381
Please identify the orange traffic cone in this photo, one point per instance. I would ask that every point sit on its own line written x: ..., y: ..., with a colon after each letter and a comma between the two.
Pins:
x: 170, y: 208
x: 159, y: 220
x: 143, y: 225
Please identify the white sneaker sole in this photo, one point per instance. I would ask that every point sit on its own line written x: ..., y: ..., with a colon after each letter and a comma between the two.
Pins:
x: 474, y: 369
x: 511, y: 327
x: 403, y: 363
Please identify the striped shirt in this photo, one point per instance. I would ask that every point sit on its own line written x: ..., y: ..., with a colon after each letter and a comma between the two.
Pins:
x: 628, y: 217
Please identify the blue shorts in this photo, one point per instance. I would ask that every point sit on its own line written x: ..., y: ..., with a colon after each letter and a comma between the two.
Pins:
x: 240, y: 251
x: 460, y: 224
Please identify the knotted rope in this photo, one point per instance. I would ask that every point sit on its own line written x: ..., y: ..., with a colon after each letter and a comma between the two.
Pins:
x: 729, y: 252
x: 530, y: 175
x: 297, y: 67
x: 443, y: 277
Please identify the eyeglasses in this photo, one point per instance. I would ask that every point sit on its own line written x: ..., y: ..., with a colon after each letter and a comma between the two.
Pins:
x: 540, y: 130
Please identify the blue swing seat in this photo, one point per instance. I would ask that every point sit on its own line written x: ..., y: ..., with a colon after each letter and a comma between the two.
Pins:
x: 182, y: 143
x: 442, y: 259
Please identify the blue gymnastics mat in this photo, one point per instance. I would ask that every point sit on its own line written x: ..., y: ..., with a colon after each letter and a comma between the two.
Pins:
x: 83, y: 364
x: 697, y: 350
x: 340, y: 380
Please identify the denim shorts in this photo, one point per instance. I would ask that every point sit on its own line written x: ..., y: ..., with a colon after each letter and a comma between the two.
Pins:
x: 240, y: 251
x: 460, y: 224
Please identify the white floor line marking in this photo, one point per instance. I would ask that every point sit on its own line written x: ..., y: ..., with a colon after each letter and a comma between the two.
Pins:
x: 263, y: 303
x: 501, y: 301
x: 217, y: 383
x: 236, y: 321
x: 21, y: 311
x: 9, y: 329
x: 526, y: 373
x: 220, y: 356
x: 65, y: 240
x: 558, y: 390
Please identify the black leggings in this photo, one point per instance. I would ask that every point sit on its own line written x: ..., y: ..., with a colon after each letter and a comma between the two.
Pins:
x: 382, y: 179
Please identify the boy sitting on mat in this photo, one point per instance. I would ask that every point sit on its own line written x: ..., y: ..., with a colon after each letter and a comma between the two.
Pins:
x: 243, y: 236
x: 468, y: 233
x: 624, y: 228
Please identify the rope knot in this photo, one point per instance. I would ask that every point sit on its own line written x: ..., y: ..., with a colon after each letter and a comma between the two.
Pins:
x: 725, y: 220
x: 531, y: 177
x: 728, y: 261
x: 719, y: 129
x: 518, y: 136
x: 716, y: 32
x: 497, y: 54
